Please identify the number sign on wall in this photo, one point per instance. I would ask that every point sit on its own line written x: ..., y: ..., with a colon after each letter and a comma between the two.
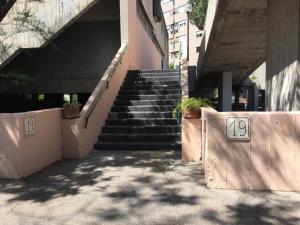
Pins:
x: 29, y: 127
x: 238, y: 128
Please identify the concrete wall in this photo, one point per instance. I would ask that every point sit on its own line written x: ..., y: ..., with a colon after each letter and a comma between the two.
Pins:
x: 269, y: 161
x: 74, y: 63
x: 142, y: 51
x: 51, y: 15
x: 22, y: 156
x: 283, y: 78
x: 195, y: 40
x: 191, y: 140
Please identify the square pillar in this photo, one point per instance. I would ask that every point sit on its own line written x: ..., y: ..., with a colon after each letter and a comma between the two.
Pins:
x: 225, y: 92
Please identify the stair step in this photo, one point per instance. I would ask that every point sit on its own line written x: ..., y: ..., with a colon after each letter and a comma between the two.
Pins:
x: 143, y: 129
x: 149, y: 97
x: 149, y: 108
x: 141, y: 121
x: 151, y: 75
x: 132, y: 72
x: 138, y: 146
x: 150, y: 92
x: 149, y: 83
x: 144, y: 102
x: 139, y: 115
x: 153, y: 71
x: 150, y: 87
x: 139, y: 137
x: 152, y: 78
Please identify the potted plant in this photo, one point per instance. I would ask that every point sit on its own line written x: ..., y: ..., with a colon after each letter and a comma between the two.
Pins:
x: 191, y: 107
x: 71, y: 110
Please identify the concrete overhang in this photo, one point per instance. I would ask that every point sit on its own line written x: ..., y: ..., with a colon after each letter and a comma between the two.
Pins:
x: 237, y: 40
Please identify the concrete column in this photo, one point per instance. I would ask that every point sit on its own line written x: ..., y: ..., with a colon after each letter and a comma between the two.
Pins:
x: 124, y: 23
x: 237, y: 98
x: 283, y: 51
x: 255, y: 97
x: 225, y: 92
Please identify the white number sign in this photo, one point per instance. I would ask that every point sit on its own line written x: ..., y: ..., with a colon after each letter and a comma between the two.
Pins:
x: 29, y: 127
x: 238, y: 128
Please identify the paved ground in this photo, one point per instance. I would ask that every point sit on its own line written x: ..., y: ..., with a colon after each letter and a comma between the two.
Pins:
x: 136, y: 188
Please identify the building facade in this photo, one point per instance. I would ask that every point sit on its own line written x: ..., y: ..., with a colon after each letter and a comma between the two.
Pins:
x: 177, y: 25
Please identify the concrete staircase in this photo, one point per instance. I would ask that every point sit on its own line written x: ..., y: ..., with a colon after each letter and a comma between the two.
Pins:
x: 141, y: 117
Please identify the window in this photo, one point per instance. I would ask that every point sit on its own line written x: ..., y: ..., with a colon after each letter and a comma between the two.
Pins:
x: 182, y: 23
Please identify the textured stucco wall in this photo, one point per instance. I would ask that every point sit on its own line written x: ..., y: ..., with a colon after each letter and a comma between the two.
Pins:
x: 269, y: 161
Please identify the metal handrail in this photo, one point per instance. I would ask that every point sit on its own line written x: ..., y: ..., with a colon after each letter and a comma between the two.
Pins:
x: 103, y: 85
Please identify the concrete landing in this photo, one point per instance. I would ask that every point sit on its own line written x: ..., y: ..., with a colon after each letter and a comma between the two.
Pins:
x: 136, y: 188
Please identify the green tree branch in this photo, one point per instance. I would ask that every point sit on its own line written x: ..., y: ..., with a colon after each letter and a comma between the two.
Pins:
x: 198, y: 13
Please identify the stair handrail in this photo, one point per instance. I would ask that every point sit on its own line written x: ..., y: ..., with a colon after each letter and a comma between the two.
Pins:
x: 102, y: 85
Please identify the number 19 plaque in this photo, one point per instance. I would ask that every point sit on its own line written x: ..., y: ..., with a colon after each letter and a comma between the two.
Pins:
x: 238, y: 128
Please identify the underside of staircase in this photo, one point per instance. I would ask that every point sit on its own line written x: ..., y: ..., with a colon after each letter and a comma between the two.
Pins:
x: 141, y: 117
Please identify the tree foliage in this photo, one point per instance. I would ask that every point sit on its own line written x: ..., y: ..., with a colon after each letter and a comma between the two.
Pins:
x: 198, y: 13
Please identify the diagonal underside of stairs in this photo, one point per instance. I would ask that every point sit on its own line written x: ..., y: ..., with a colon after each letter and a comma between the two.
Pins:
x: 47, y: 19
x: 141, y: 117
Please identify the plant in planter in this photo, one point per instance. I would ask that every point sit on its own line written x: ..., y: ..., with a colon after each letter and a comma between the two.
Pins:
x: 191, y: 107
x: 71, y: 110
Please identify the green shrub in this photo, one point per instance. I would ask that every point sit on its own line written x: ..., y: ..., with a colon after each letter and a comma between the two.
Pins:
x: 171, y: 66
x: 191, y: 104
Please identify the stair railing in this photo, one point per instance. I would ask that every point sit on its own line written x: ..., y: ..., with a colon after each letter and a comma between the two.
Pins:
x: 103, y: 85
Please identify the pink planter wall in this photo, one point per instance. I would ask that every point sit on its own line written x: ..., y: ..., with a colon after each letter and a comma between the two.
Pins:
x: 191, y: 140
x: 22, y: 156
x: 269, y: 161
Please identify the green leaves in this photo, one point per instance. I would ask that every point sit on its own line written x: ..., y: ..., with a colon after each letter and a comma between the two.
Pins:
x: 198, y: 13
x: 191, y: 103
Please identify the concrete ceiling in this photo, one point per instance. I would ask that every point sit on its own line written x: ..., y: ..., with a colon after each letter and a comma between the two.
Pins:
x: 239, y: 36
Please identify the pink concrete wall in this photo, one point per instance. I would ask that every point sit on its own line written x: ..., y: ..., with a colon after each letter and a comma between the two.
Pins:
x: 148, y: 57
x: 191, y: 140
x: 20, y: 156
x: 269, y: 161
x: 78, y: 141
x: 143, y: 54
